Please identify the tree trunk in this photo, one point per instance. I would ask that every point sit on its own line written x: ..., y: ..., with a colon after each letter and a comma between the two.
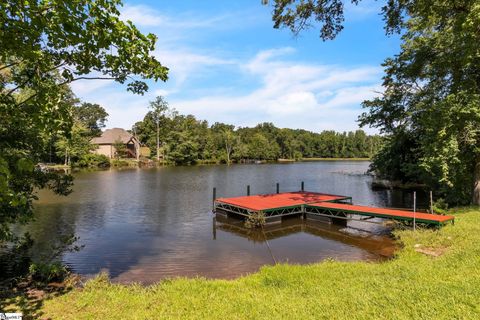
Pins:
x: 228, y: 151
x: 137, y: 150
x: 158, y: 142
x: 476, y: 183
x: 66, y: 157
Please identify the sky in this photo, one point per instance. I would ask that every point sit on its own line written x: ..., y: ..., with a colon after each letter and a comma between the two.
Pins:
x: 228, y: 64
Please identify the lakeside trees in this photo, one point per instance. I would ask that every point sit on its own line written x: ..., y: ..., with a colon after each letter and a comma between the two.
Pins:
x: 430, y: 108
x: 186, y: 140
x: 431, y: 103
x: 44, y: 46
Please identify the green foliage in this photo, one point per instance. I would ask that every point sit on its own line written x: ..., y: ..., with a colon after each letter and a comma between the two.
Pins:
x: 432, y: 96
x: 123, y: 163
x: 255, y: 220
x: 75, y: 146
x: 120, y: 149
x: 45, y: 46
x: 431, y: 105
x: 186, y: 140
x: 159, y: 107
x: 91, y: 160
x: 296, y: 15
x: 413, y: 285
x: 432, y: 89
x: 398, y: 159
x: 47, y: 272
x: 92, y: 116
x: 85, y: 36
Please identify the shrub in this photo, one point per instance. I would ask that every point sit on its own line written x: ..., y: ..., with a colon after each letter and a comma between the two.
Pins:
x: 123, y: 163
x: 255, y: 220
x: 47, y: 272
x: 92, y: 160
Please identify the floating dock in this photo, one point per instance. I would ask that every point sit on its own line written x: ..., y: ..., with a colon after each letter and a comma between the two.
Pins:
x: 312, y: 205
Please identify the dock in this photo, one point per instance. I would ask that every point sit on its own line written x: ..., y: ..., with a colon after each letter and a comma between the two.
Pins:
x: 313, y: 205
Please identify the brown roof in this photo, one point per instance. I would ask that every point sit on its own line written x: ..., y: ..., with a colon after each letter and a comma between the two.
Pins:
x: 111, y: 136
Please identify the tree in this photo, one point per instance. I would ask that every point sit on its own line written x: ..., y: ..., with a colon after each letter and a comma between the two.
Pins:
x: 45, y: 46
x: 225, y: 138
x: 92, y: 116
x: 431, y: 104
x: 121, y: 150
x: 432, y: 93
x: 184, y: 140
x: 182, y: 148
x: 261, y: 148
x: 75, y: 146
x: 159, y: 108
x: 229, y: 140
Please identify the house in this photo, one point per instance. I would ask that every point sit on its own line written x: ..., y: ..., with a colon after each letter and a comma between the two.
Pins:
x: 113, y: 137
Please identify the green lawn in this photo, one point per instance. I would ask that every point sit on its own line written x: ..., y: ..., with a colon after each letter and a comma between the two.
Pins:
x: 412, y: 286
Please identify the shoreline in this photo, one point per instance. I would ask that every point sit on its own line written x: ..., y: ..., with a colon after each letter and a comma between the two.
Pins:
x: 121, y: 163
x: 304, y: 291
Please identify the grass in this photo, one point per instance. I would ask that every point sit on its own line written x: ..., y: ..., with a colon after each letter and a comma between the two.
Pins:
x: 414, y: 285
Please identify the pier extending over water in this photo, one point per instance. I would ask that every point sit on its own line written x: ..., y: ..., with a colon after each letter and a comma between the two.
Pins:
x: 315, y: 205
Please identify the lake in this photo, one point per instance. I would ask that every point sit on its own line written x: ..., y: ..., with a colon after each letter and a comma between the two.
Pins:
x: 144, y: 225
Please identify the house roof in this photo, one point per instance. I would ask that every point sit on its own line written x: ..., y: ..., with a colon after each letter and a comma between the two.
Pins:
x: 111, y: 136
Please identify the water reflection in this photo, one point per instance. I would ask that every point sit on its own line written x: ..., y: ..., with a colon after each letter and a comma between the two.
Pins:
x: 148, y: 224
x: 372, y: 239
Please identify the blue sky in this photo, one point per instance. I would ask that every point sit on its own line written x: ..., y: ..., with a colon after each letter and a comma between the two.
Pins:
x: 228, y: 64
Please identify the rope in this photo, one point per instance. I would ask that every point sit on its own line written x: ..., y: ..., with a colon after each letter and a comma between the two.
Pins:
x: 268, y: 246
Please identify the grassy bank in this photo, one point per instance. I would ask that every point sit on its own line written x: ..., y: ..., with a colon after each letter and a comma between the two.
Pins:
x: 435, y: 276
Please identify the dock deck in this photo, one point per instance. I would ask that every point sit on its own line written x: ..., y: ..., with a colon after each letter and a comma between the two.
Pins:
x: 279, y: 204
x: 319, y: 204
x: 338, y: 210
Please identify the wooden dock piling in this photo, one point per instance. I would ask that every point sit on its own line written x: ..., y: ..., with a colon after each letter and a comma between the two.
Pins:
x: 214, y: 197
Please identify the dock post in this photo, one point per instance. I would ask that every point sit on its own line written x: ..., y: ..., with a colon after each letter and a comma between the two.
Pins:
x: 214, y: 229
x: 278, y: 188
x: 248, y: 190
x: 303, y: 186
x: 414, y: 209
x: 214, y: 197
x: 431, y: 203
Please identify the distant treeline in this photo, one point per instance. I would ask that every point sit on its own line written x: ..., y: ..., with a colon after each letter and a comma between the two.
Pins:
x: 184, y: 140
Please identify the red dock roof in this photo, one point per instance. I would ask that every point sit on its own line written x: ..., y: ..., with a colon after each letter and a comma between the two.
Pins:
x: 280, y: 200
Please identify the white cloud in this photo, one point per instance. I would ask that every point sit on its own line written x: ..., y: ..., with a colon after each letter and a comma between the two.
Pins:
x: 292, y: 94
x: 363, y: 10
x: 141, y: 15
x: 184, y: 64
x: 267, y: 86
x: 289, y: 94
x: 146, y: 16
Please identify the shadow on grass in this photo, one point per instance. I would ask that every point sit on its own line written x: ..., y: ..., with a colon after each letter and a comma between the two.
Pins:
x: 28, y: 297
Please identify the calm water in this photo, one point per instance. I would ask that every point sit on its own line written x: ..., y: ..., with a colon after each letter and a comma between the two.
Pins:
x: 148, y: 224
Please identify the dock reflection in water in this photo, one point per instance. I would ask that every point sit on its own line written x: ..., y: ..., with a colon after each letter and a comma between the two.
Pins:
x: 372, y: 240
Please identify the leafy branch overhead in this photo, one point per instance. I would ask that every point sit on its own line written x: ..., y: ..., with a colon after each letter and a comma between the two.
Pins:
x: 76, y: 38
x: 44, y: 46
x: 297, y: 16
x: 430, y: 106
x: 329, y: 15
